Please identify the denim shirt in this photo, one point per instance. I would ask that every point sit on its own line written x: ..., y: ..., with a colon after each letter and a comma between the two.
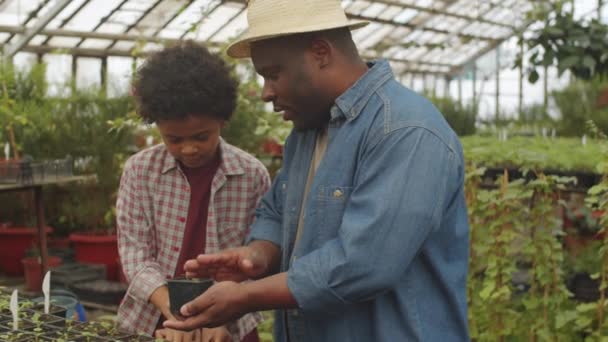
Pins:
x: 384, y: 249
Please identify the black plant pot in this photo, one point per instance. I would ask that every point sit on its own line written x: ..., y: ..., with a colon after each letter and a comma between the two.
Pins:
x: 182, y: 291
x: 584, y: 288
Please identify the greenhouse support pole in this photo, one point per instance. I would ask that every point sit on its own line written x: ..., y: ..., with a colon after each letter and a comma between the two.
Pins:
x: 74, y: 71
x: 600, y: 5
x: 425, y: 86
x: 497, y: 108
x: 11, y: 49
x: 460, y: 90
x: 446, y: 86
x: 104, y: 75
x: 520, y: 100
x: 546, y: 90
x: 475, y: 84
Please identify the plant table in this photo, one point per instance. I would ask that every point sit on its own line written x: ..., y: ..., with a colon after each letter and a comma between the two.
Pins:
x: 39, y: 204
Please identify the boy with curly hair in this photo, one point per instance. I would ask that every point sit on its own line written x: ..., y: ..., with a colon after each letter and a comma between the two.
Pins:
x: 194, y: 194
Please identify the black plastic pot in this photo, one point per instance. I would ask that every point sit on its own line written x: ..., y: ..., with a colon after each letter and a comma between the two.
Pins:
x: 182, y: 291
x: 100, y: 291
x: 584, y: 288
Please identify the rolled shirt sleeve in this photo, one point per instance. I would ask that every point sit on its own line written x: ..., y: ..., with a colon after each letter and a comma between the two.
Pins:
x: 136, y: 243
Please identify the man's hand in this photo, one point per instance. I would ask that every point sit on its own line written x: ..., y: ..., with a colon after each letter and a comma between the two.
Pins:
x: 171, y: 335
x: 219, y: 334
x: 223, y: 302
x: 238, y: 264
x: 160, y: 299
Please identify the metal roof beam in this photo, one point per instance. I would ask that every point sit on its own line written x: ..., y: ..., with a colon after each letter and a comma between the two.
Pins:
x: 457, y: 69
x: 202, y: 17
x: 76, y: 51
x: 228, y: 22
x: 92, y: 35
x: 104, y: 19
x: 442, y: 12
x: 67, y: 20
x: 460, y: 29
x: 398, y: 24
x: 408, y: 61
x: 11, y: 49
x: 30, y: 16
x: 417, y: 27
x: 143, y: 15
x: 179, y: 11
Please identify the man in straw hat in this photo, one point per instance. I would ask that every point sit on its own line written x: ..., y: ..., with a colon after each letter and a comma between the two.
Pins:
x: 363, y: 235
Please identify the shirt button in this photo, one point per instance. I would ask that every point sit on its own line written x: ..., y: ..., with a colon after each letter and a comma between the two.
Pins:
x: 181, y: 219
x: 338, y: 193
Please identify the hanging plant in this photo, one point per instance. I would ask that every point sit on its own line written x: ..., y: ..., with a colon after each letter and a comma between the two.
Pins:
x: 577, y: 45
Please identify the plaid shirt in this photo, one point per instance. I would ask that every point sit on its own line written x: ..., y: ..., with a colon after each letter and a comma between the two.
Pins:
x: 152, y: 208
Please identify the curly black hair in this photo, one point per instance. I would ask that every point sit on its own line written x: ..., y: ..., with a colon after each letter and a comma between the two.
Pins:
x: 182, y: 80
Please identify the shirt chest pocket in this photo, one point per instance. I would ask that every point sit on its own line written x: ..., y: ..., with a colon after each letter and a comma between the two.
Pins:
x: 331, y: 204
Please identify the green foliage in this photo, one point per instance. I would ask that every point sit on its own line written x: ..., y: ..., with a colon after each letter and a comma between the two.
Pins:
x: 579, y: 46
x: 461, y: 117
x: 514, y: 225
x: 514, y: 229
x: 577, y: 104
x: 251, y: 122
x: 562, y: 154
x: 76, y: 125
x: 265, y: 328
x: 99, y: 133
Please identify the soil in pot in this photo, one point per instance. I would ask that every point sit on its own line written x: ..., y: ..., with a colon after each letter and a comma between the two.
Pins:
x: 105, y: 330
x: 66, y: 336
x: 47, y: 319
x: 142, y: 338
x: 183, y: 290
x: 54, y: 310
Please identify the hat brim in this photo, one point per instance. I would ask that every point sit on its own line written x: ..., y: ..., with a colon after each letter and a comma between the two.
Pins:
x: 242, y: 47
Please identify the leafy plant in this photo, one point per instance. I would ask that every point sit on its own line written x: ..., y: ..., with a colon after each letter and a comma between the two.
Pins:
x: 560, y: 154
x: 577, y: 105
x: 461, y: 117
x: 579, y: 46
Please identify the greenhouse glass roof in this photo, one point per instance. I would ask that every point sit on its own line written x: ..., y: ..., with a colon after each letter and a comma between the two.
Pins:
x: 438, y: 37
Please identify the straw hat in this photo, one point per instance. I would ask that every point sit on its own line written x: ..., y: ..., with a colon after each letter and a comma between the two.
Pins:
x: 275, y: 18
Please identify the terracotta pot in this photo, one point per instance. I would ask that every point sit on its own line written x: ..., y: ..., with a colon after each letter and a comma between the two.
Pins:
x: 97, y: 249
x: 13, y: 244
x: 33, y: 271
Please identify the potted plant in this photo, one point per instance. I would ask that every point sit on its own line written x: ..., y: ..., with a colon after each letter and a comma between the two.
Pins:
x: 33, y: 270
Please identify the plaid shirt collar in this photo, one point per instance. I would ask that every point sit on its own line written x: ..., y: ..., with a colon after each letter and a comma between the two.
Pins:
x: 229, y: 162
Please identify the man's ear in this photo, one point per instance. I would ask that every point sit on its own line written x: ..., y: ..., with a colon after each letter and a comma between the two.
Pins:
x: 322, y: 52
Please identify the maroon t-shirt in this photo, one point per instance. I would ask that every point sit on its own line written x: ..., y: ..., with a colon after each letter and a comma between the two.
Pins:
x: 195, y: 234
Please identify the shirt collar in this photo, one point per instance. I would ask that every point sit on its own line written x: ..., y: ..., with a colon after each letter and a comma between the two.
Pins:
x: 353, y: 100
